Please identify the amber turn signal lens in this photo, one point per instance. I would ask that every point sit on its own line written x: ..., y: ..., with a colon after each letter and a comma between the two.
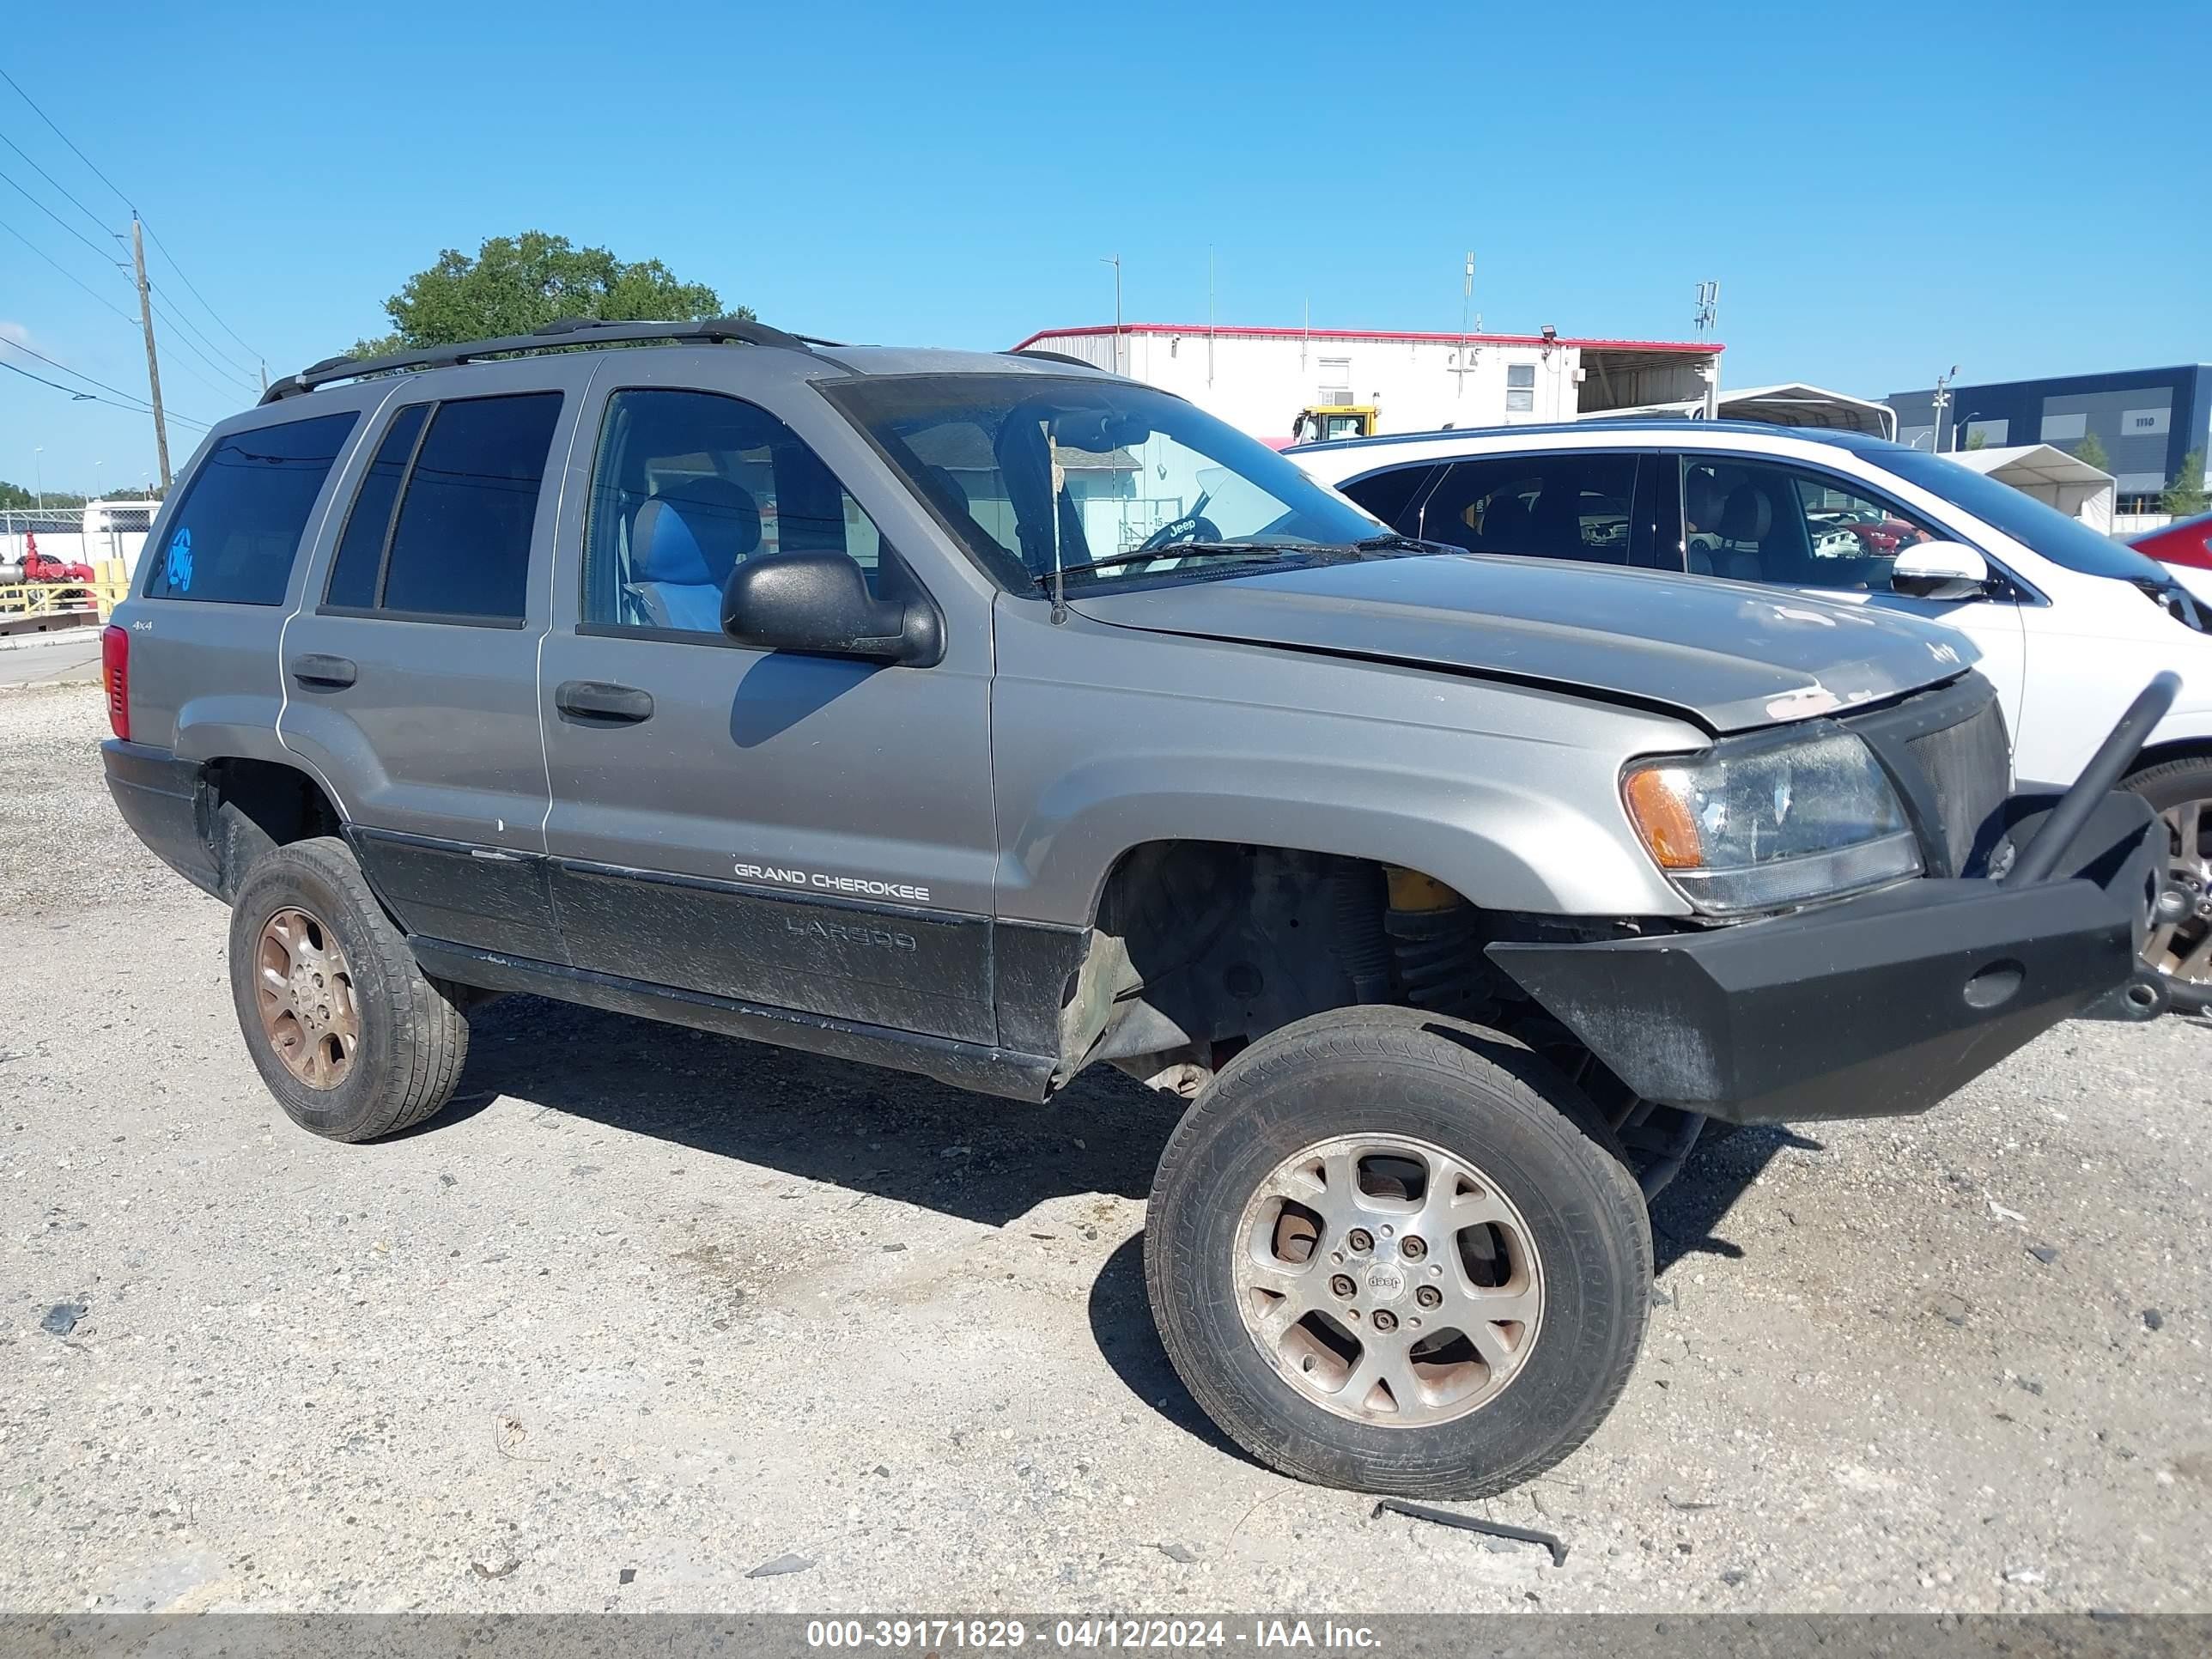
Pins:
x: 1663, y: 818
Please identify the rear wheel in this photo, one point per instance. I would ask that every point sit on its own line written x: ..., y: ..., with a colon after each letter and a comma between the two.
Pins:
x: 2180, y: 952
x: 351, y: 1036
x: 1398, y: 1253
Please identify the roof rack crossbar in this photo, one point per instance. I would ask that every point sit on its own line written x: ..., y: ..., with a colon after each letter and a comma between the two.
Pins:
x: 562, y: 331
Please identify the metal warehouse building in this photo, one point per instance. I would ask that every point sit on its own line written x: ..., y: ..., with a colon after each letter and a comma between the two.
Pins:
x: 1264, y: 379
x: 2146, y: 419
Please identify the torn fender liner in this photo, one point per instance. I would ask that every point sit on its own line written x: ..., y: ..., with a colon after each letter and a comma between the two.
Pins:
x: 1876, y: 1006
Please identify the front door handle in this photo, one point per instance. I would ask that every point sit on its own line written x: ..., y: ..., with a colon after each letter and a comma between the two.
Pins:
x: 603, y: 701
x: 326, y: 673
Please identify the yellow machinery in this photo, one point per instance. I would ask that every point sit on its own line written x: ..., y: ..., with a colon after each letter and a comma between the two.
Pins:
x: 1324, y: 422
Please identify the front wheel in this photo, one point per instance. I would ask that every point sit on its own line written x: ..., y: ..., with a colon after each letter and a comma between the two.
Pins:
x: 1399, y: 1254
x: 2180, y: 952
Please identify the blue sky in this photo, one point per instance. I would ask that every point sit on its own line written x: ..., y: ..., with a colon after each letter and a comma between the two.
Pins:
x: 1882, y: 190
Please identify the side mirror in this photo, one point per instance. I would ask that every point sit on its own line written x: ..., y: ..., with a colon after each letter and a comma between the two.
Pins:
x: 1940, y: 570
x: 819, y: 603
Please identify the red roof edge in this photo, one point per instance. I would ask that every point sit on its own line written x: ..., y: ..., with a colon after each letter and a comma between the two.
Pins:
x: 1266, y: 332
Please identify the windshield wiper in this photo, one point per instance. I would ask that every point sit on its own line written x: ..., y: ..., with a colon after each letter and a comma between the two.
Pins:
x: 1392, y: 542
x: 1181, y: 550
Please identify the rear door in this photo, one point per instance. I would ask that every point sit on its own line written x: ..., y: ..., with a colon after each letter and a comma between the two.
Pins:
x: 1562, y: 504
x: 218, y: 575
x: 412, y: 669
x: 802, y: 832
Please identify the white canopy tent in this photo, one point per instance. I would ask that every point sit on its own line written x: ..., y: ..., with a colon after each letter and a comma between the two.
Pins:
x: 2049, y: 474
x: 1791, y: 404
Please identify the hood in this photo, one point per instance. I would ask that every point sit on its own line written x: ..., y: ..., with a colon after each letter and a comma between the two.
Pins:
x: 1730, y: 655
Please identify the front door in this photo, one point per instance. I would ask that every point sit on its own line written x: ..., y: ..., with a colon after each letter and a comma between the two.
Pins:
x: 1804, y: 527
x: 788, y: 831
x: 411, y: 667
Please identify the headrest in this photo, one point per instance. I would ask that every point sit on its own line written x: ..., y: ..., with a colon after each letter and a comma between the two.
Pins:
x: 1703, y: 498
x: 695, y: 534
x: 1746, y: 516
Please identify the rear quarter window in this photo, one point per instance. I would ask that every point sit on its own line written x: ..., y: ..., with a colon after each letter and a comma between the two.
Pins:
x: 235, y: 533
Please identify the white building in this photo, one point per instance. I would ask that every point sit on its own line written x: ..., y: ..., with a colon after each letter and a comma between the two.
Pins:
x: 1261, y: 379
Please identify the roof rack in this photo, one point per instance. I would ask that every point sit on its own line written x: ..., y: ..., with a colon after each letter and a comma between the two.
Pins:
x: 562, y: 331
x: 1052, y: 357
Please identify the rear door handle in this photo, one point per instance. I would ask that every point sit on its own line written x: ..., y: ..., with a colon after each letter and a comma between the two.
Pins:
x: 330, y: 673
x: 603, y: 701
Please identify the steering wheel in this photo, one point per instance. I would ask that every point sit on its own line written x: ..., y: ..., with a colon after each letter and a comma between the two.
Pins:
x: 1191, y: 527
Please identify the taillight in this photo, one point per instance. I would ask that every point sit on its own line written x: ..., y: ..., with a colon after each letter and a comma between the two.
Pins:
x: 115, y: 676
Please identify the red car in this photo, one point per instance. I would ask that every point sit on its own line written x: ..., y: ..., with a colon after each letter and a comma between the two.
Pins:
x: 2185, y: 541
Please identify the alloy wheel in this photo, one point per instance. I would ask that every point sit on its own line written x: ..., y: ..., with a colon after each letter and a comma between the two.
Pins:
x: 1388, y: 1281
x: 304, y: 991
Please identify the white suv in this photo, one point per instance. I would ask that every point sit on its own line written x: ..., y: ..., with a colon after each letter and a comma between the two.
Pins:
x: 2067, y: 624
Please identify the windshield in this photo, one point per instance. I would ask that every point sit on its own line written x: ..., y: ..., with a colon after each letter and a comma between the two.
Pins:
x: 2063, y: 540
x: 1032, y: 470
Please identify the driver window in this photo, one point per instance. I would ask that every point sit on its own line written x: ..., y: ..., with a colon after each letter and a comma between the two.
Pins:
x: 1755, y: 521
x: 686, y: 486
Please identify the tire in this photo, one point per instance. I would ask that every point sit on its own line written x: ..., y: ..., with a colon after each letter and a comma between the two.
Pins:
x: 2169, y: 787
x: 1500, y: 1111
x: 409, y: 1037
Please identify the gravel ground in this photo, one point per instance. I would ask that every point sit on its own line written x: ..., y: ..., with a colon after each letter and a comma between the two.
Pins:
x: 646, y: 1310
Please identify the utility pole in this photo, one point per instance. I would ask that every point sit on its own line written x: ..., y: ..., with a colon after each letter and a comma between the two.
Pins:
x: 153, y: 365
x: 1943, y: 396
x: 264, y: 377
x: 1708, y: 316
x: 1209, y: 314
x: 1115, y: 260
x: 1466, y: 300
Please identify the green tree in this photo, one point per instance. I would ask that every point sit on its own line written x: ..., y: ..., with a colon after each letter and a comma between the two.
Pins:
x: 2091, y: 450
x: 2185, y: 496
x: 1977, y: 438
x: 516, y: 283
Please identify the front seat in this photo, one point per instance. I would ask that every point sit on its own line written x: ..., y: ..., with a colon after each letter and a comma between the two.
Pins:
x: 682, y: 546
x: 1744, y: 524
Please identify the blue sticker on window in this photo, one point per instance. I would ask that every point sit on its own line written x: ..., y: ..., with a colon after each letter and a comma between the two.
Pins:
x: 180, y: 561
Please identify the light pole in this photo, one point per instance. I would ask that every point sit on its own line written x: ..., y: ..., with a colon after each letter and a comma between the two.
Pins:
x: 1943, y: 396
x: 1963, y: 420
x: 38, y: 463
x: 1115, y: 260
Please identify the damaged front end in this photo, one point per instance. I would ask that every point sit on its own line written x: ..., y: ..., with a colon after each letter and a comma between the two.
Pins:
x: 1882, y: 1004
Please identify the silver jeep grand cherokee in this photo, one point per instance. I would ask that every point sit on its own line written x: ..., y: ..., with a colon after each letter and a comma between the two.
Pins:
x: 991, y: 717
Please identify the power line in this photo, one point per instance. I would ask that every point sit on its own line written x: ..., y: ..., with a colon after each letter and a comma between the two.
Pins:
x: 197, y: 295
x: 124, y: 197
x: 146, y: 409
x: 184, y: 340
x: 66, y: 271
x: 200, y: 335
x: 86, y: 397
x: 30, y: 163
x: 64, y: 137
x: 57, y: 218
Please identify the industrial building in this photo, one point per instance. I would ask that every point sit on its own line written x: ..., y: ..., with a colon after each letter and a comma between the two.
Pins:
x: 1278, y: 384
x: 2146, y: 420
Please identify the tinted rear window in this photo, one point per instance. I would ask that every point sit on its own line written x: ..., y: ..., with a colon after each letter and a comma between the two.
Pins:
x: 361, y: 549
x: 236, y: 529
x: 461, y: 547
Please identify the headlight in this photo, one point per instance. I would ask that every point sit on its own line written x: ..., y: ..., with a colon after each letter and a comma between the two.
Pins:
x: 1774, y: 819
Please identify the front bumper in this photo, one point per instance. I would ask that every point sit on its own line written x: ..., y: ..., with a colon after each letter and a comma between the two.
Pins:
x: 1874, y: 1007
